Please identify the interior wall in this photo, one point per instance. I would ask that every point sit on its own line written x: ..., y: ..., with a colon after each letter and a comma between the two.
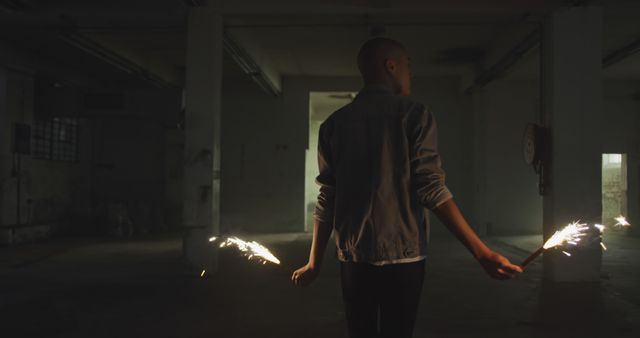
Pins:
x: 131, y: 156
x: 138, y: 159
x: 506, y: 197
x: 453, y: 114
x: 242, y: 194
x: 507, y: 200
x: 264, y: 144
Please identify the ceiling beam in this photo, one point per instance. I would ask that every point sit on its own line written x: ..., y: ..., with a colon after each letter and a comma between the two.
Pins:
x: 621, y: 54
x: 126, y: 58
x: 31, y: 63
x: 244, y: 51
x: 515, y: 54
x: 531, y: 42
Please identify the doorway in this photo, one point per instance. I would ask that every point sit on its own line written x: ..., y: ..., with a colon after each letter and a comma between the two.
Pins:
x: 614, y: 187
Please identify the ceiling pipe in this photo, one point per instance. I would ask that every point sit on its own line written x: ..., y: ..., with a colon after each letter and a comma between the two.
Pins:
x: 531, y: 41
x: 95, y: 49
x: 621, y: 54
x: 247, y: 64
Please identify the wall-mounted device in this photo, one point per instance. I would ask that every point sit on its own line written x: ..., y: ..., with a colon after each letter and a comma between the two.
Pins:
x: 534, y: 149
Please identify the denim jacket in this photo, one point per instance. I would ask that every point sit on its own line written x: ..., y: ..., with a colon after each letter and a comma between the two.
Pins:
x: 379, y: 168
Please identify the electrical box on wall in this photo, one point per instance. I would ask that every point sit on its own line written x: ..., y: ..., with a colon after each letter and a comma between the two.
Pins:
x: 533, y: 144
x: 535, y: 148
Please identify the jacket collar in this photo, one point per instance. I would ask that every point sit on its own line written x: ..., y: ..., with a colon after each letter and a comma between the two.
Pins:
x: 374, y: 89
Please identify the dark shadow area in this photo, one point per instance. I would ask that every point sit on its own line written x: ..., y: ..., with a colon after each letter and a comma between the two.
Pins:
x: 141, y: 288
x: 573, y: 308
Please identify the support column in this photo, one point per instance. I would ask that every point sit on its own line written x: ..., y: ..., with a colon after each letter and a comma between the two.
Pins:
x: 572, y: 94
x: 201, y: 217
x: 5, y: 141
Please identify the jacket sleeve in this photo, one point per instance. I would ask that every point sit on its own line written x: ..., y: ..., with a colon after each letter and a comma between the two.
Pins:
x: 326, y: 179
x: 427, y: 175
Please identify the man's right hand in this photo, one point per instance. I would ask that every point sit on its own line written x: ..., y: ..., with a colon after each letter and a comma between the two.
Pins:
x: 497, y: 266
x: 304, y: 276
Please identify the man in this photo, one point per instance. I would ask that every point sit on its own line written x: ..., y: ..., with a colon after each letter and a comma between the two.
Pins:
x: 379, y: 170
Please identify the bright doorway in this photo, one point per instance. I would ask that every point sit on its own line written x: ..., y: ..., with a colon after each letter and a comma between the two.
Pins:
x: 614, y: 186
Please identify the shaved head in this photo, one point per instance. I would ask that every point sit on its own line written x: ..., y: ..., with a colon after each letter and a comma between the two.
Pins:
x: 374, y: 53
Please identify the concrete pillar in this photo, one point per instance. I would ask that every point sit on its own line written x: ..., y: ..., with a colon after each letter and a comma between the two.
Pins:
x: 201, y: 217
x: 5, y: 140
x: 572, y: 95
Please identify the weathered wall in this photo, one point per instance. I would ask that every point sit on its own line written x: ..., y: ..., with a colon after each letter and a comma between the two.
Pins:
x: 128, y: 155
x: 51, y: 191
x: 138, y: 158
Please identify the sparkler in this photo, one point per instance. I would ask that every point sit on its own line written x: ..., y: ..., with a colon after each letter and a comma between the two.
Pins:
x: 572, y: 234
x: 622, y: 221
x: 252, y: 250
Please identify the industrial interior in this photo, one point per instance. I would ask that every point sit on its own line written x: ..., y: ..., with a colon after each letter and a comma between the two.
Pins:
x: 133, y: 132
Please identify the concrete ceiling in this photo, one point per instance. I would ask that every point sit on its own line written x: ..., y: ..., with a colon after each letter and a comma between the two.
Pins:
x: 313, y: 37
x: 332, y: 50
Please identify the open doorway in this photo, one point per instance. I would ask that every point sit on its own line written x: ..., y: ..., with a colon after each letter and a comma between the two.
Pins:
x: 321, y: 105
x: 614, y: 186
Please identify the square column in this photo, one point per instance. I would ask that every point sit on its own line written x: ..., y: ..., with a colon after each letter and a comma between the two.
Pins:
x: 5, y: 150
x: 572, y: 95
x: 201, y: 217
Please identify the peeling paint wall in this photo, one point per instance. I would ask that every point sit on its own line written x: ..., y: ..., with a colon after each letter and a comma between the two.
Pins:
x: 53, y: 194
x: 125, y: 156
x: 138, y: 159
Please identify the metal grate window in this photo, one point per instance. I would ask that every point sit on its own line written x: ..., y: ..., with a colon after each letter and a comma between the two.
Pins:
x: 56, y: 139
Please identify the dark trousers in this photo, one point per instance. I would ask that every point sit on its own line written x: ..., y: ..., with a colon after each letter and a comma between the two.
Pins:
x: 381, y: 301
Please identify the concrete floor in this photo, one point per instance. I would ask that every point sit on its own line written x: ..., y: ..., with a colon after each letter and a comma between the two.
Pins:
x: 139, y: 288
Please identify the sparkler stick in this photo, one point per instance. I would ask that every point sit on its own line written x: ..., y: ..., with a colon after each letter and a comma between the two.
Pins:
x: 532, y: 257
